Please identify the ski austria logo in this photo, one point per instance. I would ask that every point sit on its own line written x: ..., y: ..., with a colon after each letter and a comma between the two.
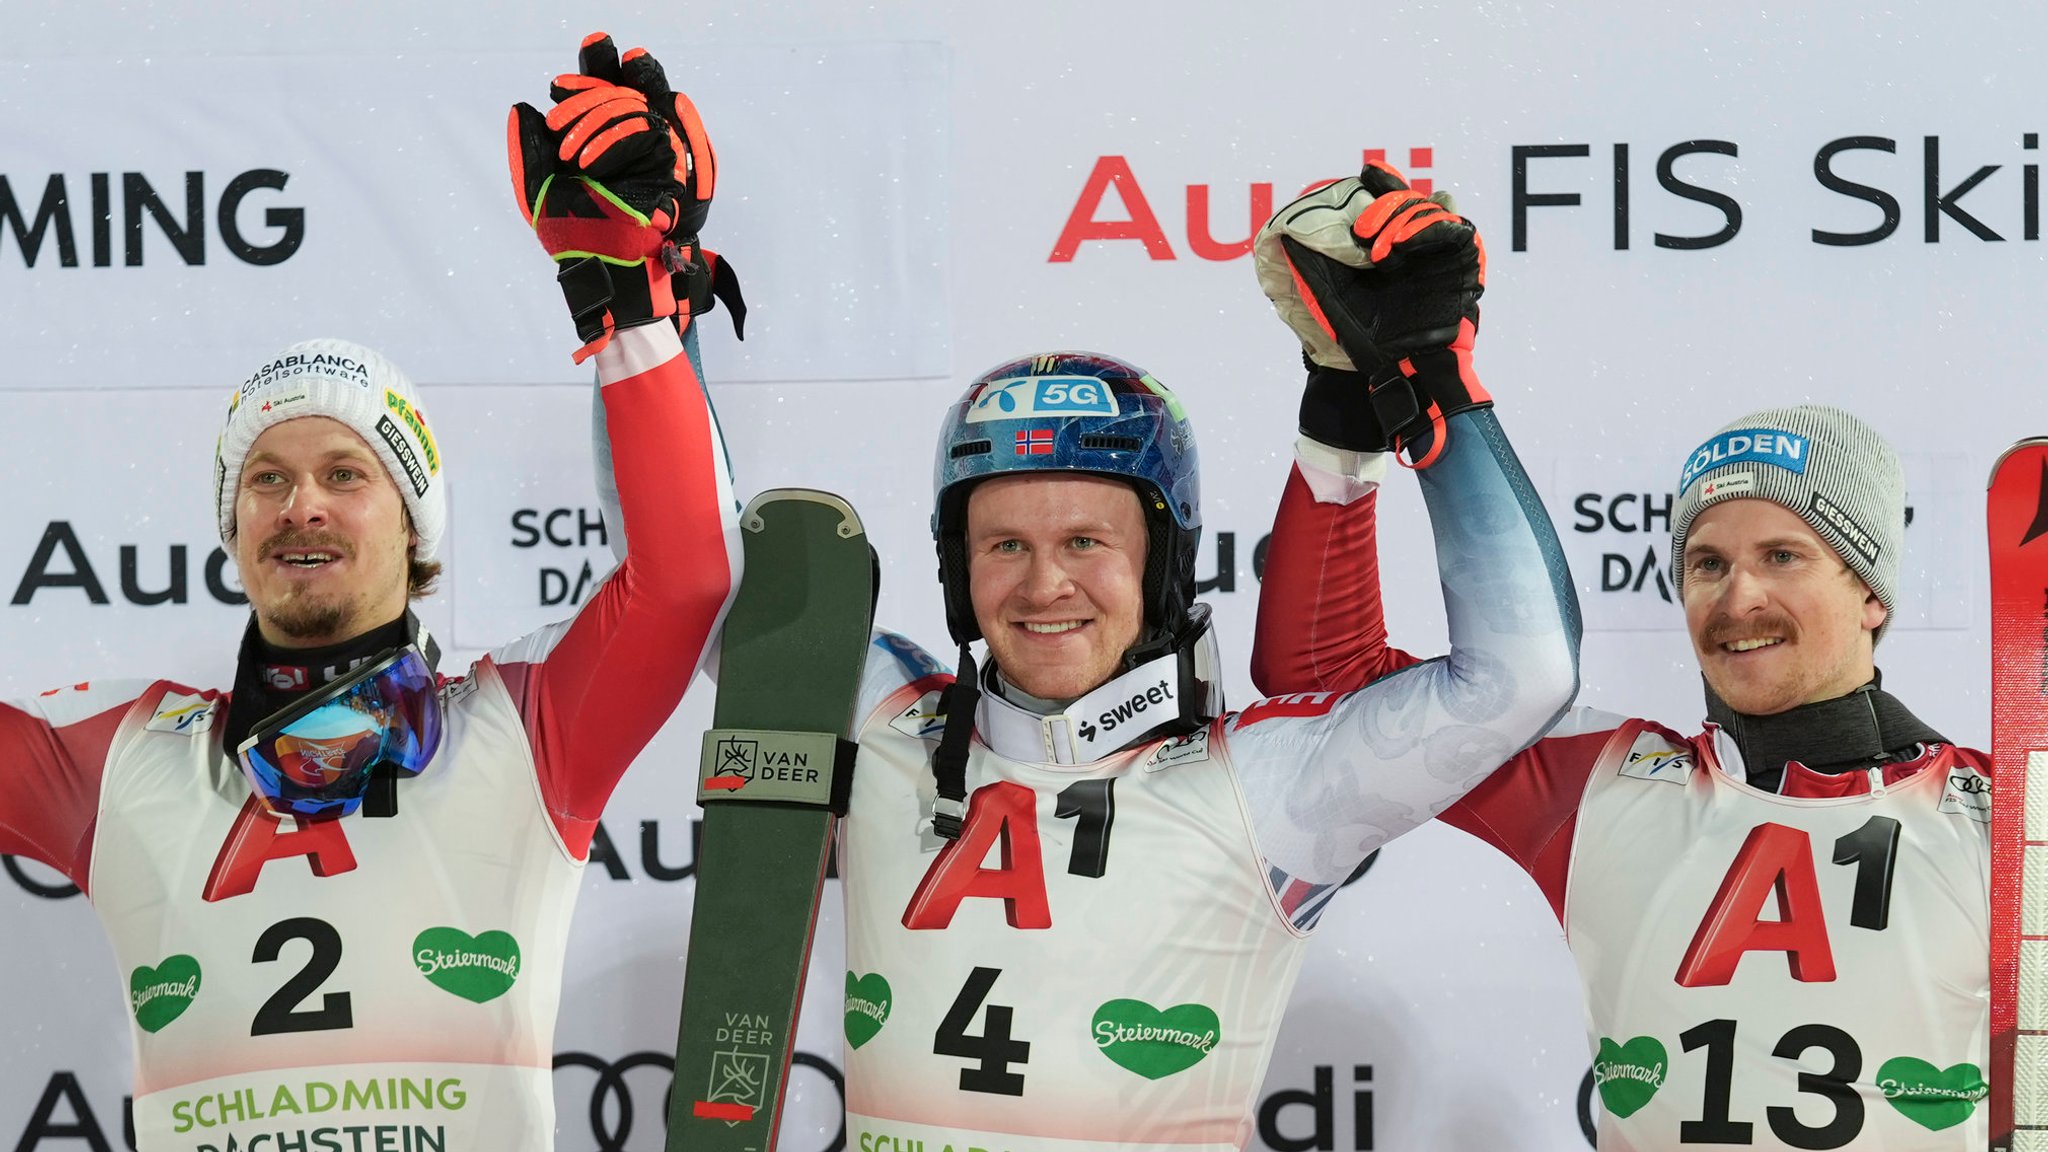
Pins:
x: 1730, y: 484
x: 1024, y: 396
x: 1762, y: 445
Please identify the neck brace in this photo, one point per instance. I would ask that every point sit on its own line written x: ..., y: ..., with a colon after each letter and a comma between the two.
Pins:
x: 1862, y: 729
x: 1167, y: 695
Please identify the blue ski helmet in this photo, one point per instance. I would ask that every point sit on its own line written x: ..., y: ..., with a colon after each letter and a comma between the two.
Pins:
x: 1074, y: 412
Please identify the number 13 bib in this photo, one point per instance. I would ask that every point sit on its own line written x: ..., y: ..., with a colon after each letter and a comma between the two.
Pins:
x: 1777, y: 973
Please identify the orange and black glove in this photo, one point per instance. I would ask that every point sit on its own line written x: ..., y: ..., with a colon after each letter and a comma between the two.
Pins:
x: 616, y: 180
x: 1382, y: 285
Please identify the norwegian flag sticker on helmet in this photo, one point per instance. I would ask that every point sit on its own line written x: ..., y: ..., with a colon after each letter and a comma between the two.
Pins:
x: 1034, y: 442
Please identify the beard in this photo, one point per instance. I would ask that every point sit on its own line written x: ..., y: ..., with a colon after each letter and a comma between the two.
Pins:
x: 306, y: 618
x: 308, y: 615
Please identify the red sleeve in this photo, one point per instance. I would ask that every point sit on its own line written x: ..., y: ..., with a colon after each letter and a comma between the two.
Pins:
x: 1529, y: 808
x: 1321, y: 628
x: 594, y: 691
x: 52, y: 754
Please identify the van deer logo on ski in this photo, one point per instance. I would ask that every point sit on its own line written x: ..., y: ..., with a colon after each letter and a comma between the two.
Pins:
x: 736, y: 759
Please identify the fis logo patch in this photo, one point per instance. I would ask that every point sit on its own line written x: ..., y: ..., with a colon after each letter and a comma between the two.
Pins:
x: 1022, y: 396
x: 188, y: 715
x: 1652, y: 757
x: 925, y: 719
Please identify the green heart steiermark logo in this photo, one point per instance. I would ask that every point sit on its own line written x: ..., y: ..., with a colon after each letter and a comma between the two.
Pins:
x: 161, y: 994
x: 1155, y: 1043
x: 1629, y: 1074
x: 476, y: 968
x: 867, y: 1007
x: 1931, y: 1097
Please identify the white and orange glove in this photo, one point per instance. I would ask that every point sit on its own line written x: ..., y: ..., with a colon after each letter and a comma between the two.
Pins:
x: 1381, y: 284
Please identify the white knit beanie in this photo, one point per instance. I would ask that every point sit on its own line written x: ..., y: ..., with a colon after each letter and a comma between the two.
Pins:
x: 350, y: 383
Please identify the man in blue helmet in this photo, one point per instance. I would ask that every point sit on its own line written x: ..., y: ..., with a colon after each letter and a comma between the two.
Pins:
x: 1077, y: 888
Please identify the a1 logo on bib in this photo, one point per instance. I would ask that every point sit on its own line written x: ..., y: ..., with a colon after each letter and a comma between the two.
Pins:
x: 867, y: 1007
x: 1152, y: 1042
x: 161, y: 994
x: 1934, y: 1098
x: 1629, y: 1074
x: 476, y: 968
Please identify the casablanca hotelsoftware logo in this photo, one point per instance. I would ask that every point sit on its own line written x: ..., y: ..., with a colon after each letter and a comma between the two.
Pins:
x: 1113, y: 183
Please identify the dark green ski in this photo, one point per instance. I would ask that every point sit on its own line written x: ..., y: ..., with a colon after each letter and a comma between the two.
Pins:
x: 775, y: 772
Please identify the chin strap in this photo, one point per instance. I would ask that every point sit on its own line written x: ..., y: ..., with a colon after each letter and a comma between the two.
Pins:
x: 1199, y: 700
x: 949, y: 762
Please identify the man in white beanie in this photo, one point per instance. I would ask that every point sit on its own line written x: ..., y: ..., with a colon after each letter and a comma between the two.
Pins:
x: 1781, y: 921
x: 340, y: 893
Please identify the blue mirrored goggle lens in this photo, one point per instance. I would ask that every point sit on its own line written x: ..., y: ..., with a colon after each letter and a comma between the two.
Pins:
x: 320, y: 763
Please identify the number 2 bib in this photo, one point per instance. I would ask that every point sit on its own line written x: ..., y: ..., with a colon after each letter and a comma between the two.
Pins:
x: 354, y: 983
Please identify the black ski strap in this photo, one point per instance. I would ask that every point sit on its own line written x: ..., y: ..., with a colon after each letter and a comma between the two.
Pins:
x: 949, y: 762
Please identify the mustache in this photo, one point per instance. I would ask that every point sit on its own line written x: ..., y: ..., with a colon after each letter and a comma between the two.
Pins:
x: 300, y: 540
x: 1726, y: 629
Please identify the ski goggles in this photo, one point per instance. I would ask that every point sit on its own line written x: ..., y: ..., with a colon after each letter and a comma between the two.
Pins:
x: 317, y: 756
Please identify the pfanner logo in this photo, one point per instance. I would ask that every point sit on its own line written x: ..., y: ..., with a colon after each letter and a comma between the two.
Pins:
x: 1761, y: 445
x: 59, y: 210
x: 1093, y: 218
x: 417, y: 421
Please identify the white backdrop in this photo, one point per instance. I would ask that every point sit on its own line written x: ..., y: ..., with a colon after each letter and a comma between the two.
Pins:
x: 913, y: 192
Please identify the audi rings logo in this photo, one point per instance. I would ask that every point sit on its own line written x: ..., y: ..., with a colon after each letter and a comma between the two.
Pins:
x: 615, y: 1108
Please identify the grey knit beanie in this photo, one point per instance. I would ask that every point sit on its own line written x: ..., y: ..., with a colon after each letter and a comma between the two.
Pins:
x: 1831, y: 469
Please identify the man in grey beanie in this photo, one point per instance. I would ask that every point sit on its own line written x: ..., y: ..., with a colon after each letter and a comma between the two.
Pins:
x: 1780, y: 922
x: 349, y: 880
